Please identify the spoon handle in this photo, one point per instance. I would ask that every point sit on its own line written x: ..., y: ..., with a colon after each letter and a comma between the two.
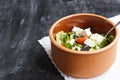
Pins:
x: 112, y: 28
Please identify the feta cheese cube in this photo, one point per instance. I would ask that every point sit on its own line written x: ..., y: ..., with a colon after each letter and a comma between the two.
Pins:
x: 86, y: 32
x: 97, y: 38
x: 77, y: 30
x: 89, y: 42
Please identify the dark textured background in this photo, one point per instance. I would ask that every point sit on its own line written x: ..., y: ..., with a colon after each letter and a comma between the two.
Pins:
x: 23, y: 22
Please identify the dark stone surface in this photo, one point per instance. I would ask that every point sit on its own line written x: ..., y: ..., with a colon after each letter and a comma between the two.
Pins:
x: 23, y: 22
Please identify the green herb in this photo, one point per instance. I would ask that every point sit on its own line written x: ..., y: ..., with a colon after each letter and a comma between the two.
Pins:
x: 104, y: 43
x: 110, y: 38
x: 68, y: 45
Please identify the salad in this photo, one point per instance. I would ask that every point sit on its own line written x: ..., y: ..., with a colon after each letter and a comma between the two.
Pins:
x: 82, y: 39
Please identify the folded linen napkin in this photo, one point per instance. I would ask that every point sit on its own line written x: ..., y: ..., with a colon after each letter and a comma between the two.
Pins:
x: 111, y: 74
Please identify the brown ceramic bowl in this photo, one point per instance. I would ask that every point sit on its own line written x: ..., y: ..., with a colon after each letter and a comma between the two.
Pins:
x: 83, y: 64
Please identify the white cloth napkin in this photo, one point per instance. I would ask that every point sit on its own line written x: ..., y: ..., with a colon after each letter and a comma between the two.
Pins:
x: 112, y: 74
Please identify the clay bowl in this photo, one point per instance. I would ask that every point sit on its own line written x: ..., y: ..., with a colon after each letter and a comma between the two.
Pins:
x: 83, y: 64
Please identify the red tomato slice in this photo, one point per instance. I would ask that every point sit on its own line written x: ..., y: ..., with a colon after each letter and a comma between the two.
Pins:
x: 80, y: 40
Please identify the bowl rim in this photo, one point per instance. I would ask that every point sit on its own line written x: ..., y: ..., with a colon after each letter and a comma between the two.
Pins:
x: 51, y: 35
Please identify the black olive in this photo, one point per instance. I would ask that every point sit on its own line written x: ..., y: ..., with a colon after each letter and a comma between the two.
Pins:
x: 85, y: 48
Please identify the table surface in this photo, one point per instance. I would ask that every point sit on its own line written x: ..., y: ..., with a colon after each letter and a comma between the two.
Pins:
x: 23, y: 22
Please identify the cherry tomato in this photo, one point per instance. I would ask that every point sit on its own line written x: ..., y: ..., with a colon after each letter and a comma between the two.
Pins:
x: 80, y: 40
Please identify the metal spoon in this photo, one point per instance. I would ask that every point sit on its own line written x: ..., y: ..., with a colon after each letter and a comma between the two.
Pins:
x: 112, y: 28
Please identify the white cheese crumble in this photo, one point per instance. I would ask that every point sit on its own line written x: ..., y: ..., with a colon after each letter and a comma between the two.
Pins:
x: 89, y: 42
x: 77, y: 30
x: 97, y: 38
x: 86, y: 32
x: 72, y: 41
